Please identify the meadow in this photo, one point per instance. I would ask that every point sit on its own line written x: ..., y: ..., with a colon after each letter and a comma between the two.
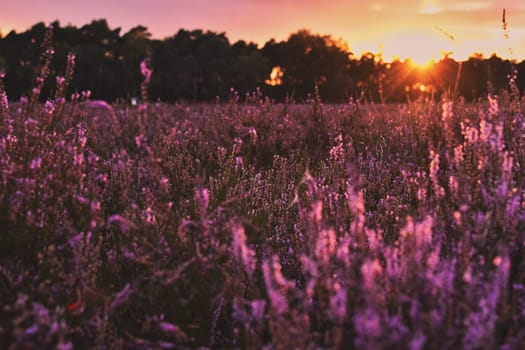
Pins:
x: 252, y: 224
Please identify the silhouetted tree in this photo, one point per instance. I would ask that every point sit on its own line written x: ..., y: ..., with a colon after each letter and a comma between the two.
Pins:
x: 498, y: 73
x: 249, y: 67
x: 200, y: 66
x: 474, y: 78
x: 308, y: 60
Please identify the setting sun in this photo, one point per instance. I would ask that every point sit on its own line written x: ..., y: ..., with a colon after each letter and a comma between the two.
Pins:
x: 422, y: 65
x: 421, y: 47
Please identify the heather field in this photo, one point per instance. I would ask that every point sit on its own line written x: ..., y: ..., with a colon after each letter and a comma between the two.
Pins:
x: 252, y: 224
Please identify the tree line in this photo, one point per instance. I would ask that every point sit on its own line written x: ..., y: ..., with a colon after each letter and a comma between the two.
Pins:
x: 197, y: 65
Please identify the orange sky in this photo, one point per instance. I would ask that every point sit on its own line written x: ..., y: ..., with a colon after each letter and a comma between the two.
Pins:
x: 402, y: 28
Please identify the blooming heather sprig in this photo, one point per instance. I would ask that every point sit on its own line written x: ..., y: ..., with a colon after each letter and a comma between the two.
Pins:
x: 44, y: 68
x: 253, y: 135
x: 202, y: 196
x: 63, y: 82
x: 492, y: 135
x: 471, y: 134
x: 277, y: 299
x: 453, y: 185
x: 370, y: 270
x: 493, y: 107
x: 343, y: 250
x: 121, y: 297
x: 257, y: 307
x: 374, y: 238
x: 310, y: 269
x: 480, y: 324
x: 367, y: 324
x: 337, y: 153
x: 505, y: 181
x: 49, y: 107
x: 485, y: 129
x: 448, y: 111
x: 497, y: 141
x: 276, y: 285
x: 149, y: 216
x: 244, y: 254
x: 420, y: 232
x: 439, y: 191
x: 506, y: 167
x: 325, y: 245
x: 338, y: 302
x: 447, y: 118
x: 46, y: 42
x: 513, y: 76
x: 356, y: 203
x: 48, y: 111
x: 4, y: 103
x: 459, y: 156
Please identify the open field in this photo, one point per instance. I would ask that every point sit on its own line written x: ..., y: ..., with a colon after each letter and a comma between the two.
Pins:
x: 252, y: 224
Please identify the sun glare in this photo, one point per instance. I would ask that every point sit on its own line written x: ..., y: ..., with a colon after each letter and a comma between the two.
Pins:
x: 422, y: 48
x: 422, y: 64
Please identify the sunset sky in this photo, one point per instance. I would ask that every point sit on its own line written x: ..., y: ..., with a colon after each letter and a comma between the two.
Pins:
x: 418, y: 29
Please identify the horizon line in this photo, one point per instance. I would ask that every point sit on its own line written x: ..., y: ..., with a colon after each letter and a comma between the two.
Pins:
x: 393, y: 57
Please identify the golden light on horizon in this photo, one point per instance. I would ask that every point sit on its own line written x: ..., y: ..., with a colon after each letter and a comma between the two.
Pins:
x: 275, y: 77
x: 421, y: 47
x: 422, y: 65
x: 5, y: 29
